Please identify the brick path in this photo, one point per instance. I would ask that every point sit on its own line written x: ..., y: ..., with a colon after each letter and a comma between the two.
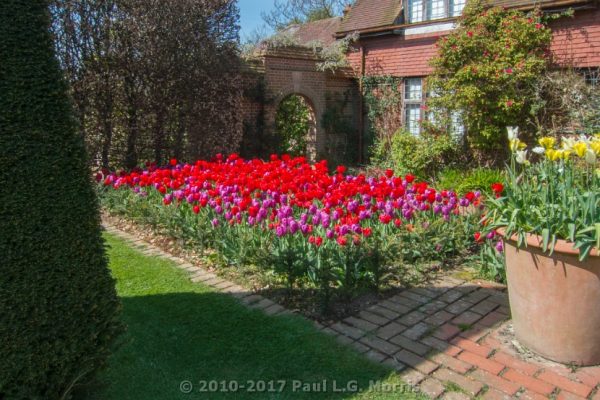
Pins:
x: 449, y: 339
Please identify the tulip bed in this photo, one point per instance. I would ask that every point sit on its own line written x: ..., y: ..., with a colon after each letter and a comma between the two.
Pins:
x: 310, y: 228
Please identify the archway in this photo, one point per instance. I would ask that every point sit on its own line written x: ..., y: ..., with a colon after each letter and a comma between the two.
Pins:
x: 296, y: 126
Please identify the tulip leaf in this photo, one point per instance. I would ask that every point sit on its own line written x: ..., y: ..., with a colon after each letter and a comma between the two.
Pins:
x: 545, y: 239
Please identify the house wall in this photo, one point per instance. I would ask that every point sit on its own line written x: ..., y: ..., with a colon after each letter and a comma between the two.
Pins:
x: 576, y: 43
x: 576, y: 40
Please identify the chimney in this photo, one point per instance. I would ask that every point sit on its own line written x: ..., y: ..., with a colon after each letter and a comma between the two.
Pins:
x: 347, y: 9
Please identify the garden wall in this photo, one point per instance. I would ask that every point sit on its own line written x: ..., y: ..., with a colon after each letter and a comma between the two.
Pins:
x: 278, y: 73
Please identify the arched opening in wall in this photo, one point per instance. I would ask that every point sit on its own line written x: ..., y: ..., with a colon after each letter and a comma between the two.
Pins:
x: 296, y: 126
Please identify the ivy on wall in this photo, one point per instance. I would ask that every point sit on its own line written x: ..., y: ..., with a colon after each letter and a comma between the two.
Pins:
x: 382, y: 96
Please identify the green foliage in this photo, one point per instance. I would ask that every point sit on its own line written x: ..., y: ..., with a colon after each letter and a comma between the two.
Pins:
x: 293, y: 122
x: 334, y: 56
x: 556, y: 198
x: 591, y: 123
x: 487, y: 69
x: 383, y: 101
x: 369, y: 263
x: 422, y: 155
x: 59, y: 314
x: 463, y: 181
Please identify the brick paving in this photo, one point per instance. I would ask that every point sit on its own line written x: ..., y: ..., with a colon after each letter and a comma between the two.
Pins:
x: 447, y: 339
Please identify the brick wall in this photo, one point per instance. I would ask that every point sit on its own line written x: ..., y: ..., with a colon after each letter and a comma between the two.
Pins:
x: 576, y: 40
x: 294, y: 71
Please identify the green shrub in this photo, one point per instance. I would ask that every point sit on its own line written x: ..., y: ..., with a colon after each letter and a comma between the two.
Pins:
x: 591, y: 121
x: 59, y: 307
x: 463, y: 181
x: 487, y: 70
x: 421, y: 155
x: 293, y: 124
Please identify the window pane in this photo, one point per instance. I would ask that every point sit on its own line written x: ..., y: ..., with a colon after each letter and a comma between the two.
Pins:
x: 413, y: 118
x: 432, y: 117
x: 413, y: 89
x: 592, y: 77
x: 456, y: 7
x: 457, y: 127
x: 415, y: 11
x: 437, y: 9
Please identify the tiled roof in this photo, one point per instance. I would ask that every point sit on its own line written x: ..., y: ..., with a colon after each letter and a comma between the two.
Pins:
x: 372, y: 14
x: 367, y: 14
x: 322, y: 31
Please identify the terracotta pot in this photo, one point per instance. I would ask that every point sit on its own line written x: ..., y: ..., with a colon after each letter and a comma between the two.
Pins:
x: 554, y: 300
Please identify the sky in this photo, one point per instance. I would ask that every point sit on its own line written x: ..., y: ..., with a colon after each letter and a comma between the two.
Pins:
x: 250, y: 14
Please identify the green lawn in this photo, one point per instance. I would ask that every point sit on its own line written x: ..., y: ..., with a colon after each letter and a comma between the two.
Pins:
x: 181, y: 331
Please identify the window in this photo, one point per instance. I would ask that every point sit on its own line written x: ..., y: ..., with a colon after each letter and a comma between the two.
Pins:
x: 456, y: 7
x: 436, y: 9
x: 414, y: 111
x: 413, y: 101
x: 592, y: 76
x: 428, y: 10
x: 457, y: 127
x: 415, y: 13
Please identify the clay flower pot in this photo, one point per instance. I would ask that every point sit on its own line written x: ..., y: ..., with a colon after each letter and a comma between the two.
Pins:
x: 554, y: 300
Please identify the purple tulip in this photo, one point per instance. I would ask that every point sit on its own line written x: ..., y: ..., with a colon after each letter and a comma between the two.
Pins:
x: 280, y: 231
x: 294, y: 226
x: 344, y: 229
x: 500, y: 246
x: 303, y: 218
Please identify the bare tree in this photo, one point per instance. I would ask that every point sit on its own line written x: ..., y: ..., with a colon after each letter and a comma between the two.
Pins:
x: 286, y: 12
x: 152, y: 79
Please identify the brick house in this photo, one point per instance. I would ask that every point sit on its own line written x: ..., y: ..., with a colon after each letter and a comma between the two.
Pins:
x: 398, y: 38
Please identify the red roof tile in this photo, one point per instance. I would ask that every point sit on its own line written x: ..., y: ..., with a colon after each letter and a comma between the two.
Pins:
x: 318, y: 31
x: 371, y: 14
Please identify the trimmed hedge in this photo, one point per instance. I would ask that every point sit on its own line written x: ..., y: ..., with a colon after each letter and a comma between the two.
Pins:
x: 59, y: 312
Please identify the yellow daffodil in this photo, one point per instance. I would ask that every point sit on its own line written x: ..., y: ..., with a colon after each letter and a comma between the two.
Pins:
x: 595, y: 146
x: 552, y: 154
x: 547, y: 142
x: 565, y: 154
x: 516, y: 144
x: 580, y: 149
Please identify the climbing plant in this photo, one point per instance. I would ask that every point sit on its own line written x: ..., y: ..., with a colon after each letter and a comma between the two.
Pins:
x: 383, y: 101
x: 487, y: 68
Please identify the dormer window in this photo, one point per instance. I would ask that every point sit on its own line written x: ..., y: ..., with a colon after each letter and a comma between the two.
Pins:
x: 429, y: 10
